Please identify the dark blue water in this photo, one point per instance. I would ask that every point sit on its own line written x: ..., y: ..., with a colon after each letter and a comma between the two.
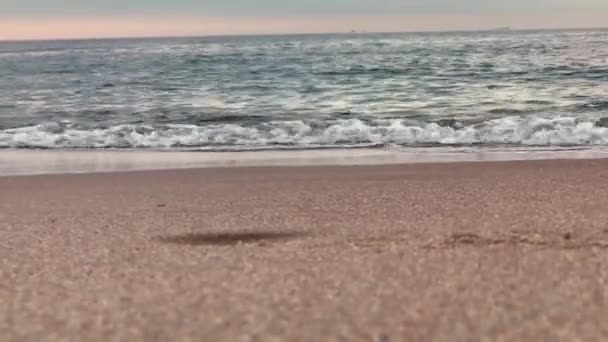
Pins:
x: 507, y: 89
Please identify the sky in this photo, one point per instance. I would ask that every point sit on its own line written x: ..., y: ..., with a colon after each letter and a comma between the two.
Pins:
x: 51, y: 19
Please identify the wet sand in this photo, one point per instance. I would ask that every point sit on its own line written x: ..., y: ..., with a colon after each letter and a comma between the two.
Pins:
x: 32, y: 162
x: 501, y: 251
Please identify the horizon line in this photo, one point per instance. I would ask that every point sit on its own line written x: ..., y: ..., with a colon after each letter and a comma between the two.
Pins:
x: 355, y: 32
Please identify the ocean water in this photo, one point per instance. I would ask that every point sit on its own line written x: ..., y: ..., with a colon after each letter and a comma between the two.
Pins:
x: 546, y: 89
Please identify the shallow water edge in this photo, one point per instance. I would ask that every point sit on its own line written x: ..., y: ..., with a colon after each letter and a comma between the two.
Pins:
x: 35, y: 162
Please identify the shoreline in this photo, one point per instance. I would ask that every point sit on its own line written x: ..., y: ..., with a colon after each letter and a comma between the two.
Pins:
x: 37, y: 162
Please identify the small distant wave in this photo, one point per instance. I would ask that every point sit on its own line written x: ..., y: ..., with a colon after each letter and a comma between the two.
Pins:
x: 508, y: 131
x: 365, y: 70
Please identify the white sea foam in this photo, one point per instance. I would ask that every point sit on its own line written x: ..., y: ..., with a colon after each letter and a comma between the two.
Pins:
x: 508, y: 131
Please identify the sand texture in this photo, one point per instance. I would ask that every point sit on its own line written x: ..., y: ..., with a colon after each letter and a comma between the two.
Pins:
x: 506, y: 251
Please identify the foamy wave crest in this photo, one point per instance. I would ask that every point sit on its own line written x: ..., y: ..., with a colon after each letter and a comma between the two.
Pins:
x: 536, y: 131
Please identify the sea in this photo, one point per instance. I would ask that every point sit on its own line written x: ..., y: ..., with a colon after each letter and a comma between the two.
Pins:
x: 497, y: 90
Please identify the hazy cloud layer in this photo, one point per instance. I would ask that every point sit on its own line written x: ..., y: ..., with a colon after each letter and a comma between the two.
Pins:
x: 38, y: 19
x: 266, y: 7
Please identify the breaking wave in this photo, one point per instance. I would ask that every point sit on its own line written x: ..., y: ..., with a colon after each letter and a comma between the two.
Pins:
x: 509, y: 131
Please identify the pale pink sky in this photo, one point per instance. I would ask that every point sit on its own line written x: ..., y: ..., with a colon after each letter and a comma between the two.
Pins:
x: 96, y: 26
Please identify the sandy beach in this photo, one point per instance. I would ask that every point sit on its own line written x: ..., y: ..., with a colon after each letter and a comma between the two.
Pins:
x: 496, y: 251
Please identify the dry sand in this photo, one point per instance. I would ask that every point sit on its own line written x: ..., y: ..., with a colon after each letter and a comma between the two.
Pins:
x: 447, y: 252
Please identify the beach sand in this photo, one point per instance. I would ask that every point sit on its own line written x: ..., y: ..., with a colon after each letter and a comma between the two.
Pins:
x: 500, y: 251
